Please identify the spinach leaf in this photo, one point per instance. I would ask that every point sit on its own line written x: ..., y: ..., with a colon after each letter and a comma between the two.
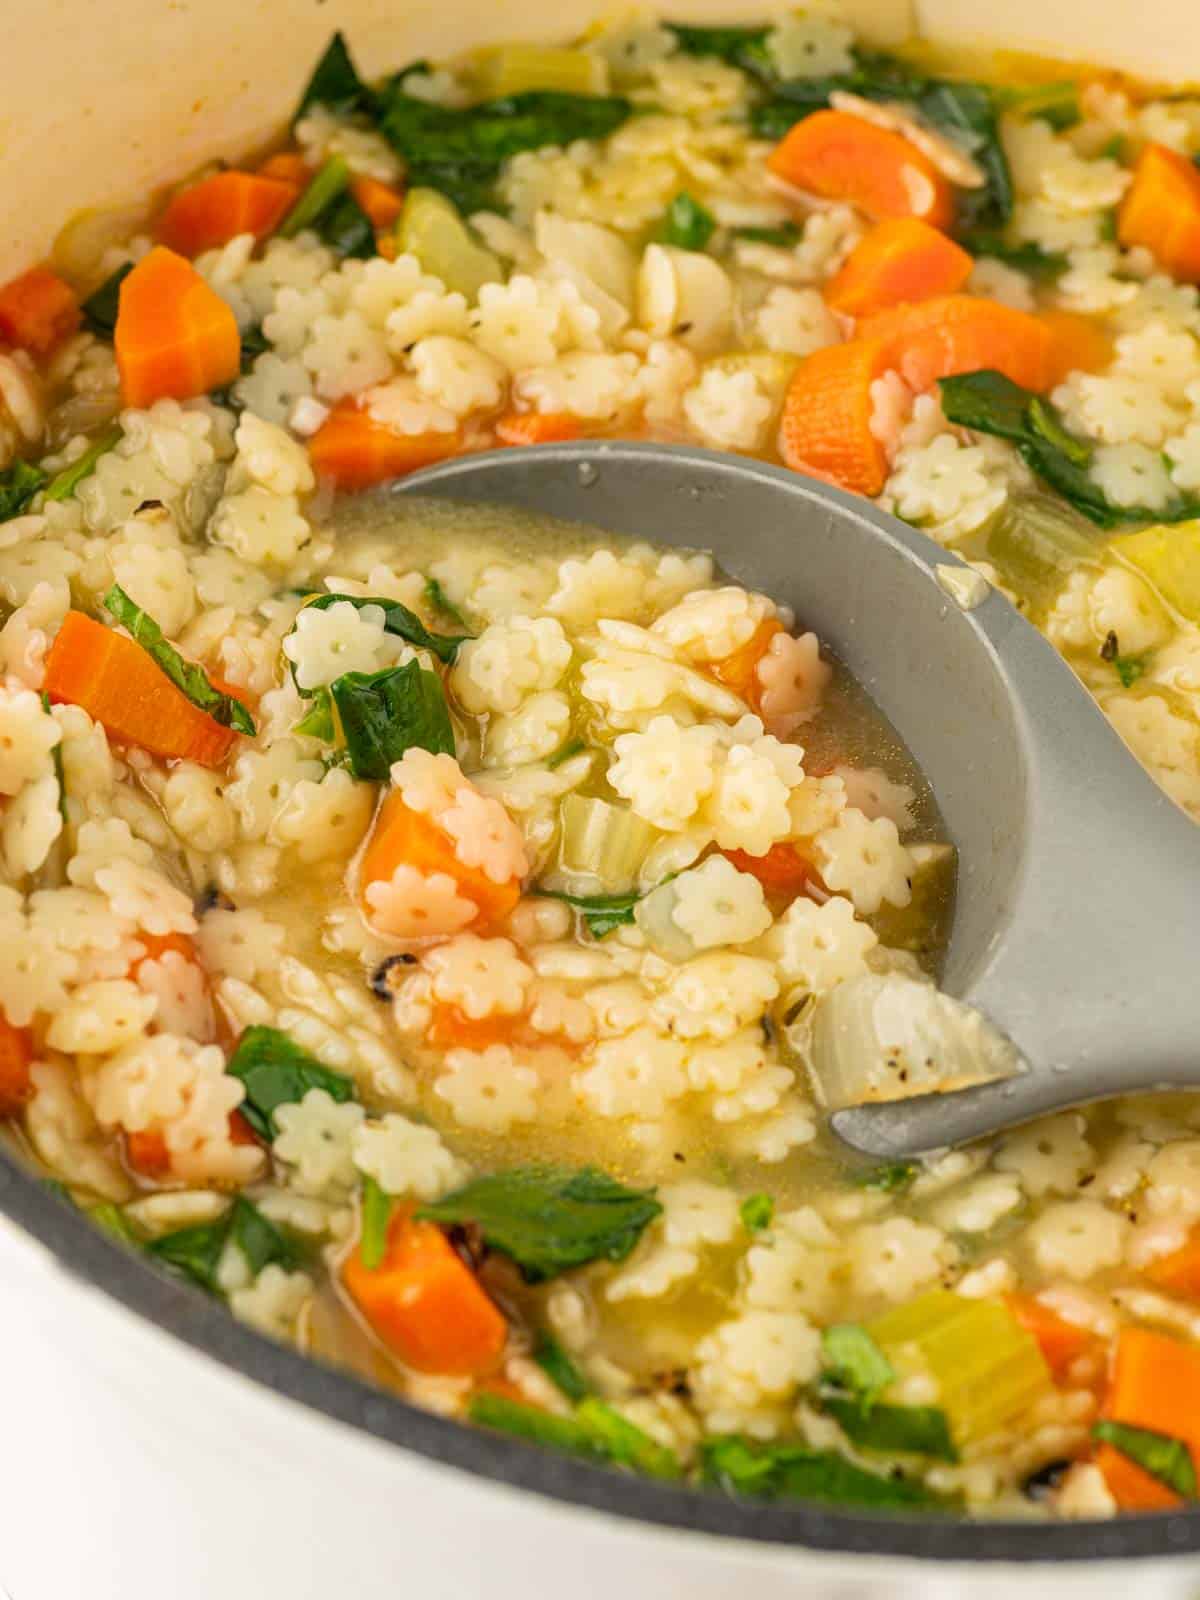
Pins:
x: 64, y: 484
x: 893, y: 1178
x: 460, y: 152
x: 187, y: 677
x: 376, y: 1215
x: 405, y: 624
x: 101, y: 306
x: 60, y: 771
x: 257, y: 1237
x: 601, y: 912
x: 276, y: 1073
x: 317, y: 722
x: 1044, y: 265
x: 913, y: 1430
x: 335, y: 83
x: 18, y: 485
x: 852, y: 1360
x: 348, y: 231
x: 1129, y: 669
x: 194, y: 1252
x: 745, y: 1467
x: 531, y: 1423
x: 383, y: 714
x: 1167, y: 1459
x: 559, y: 1368
x: 254, y: 344
x: 331, y: 211
x: 111, y: 1220
x: 783, y: 237
x: 688, y: 224
x: 623, y: 1442
x: 1055, y: 103
x: 549, y: 1219
x: 757, y: 1212
x: 438, y: 600
x: 739, y: 47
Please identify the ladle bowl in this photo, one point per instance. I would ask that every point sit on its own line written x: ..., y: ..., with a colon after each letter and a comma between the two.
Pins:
x: 1078, y: 908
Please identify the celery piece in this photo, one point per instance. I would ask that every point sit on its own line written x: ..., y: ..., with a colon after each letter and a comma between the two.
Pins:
x: 111, y: 1220
x: 604, y: 843
x: 376, y: 1216
x: 64, y: 484
x: 430, y: 228
x: 330, y: 181
x: 623, y: 1442
x: 989, y: 1370
x: 1169, y: 558
x: 502, y: 1415
x: 517, y: 68
x: 1036, y: 538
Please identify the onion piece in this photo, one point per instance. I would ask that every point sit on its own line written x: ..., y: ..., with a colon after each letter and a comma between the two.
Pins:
x: 603, y: 845
x: 77, y: 254
x: 654, y: 915
x: 890, y: 1037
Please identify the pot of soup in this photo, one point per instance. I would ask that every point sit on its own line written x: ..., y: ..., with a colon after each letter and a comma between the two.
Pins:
x: 436, y: 937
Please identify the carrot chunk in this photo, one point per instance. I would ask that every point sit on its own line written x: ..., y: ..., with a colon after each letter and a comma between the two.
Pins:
x: 118, y: 685
x: 537, y: 427
x: 783, y: 872
x: 289, y: 166
x: 1179, y: 1272
x: 825, y: 426
x: 737, y: 671
x: 426, y: 1304
x: 380, y: 201
x: 38, y: 311
x: 901, y: 259
x: 1061, y: 1342
x: 839, y: 156
x: 147, y: 1153
x: 1161, y: 211
x: 402, y: 837
x: 16, y: 1055
x: 963, y: 333
x: 1080, y: 344
x: 451, y: 1029
x: 1154, y: 1384
x: 354, y: 451
x: 210, y: 213
x: 175, y: 337
x: 157, y: 945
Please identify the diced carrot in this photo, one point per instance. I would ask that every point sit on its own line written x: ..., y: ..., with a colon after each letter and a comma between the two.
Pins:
x: 354, y: 451
x: 289, y: 166
x: 1080, y: 344
x: 737, y: 670
x: 1154, y: 1384
x: 783, y: 872
x: 537, y: 427
x: 147, y: 1153
x: 426, y: 1304
x: 839, y: 156
x: 963, y: 333
x: 506, y: 1389
x: 403, y: 836
x: 16, y: 1056
x: 901, y: 259
x: 1178, y: 1272
x: 38, y: 311
x: 450, y: 1029
x: 175, y: 337
x: 217, y: 209
x: 825, y: 426
x: 240, y: 1131
x: 117, y: 684
x: 380, y: 201
x: 1161, y: 211
x: 1061, y: 1342
x: 157, y: 945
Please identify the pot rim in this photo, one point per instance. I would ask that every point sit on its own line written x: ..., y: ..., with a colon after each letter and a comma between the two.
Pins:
x: 193, y: 1318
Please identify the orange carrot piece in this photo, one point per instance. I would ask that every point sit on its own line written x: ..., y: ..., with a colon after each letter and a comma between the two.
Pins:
x: 147, y: 1153
x: 450, y: 1029
x: 1154, y: 1384
x: 1161, y: 211
x: 1179, y: 1272
x: 240, y: 1131
x: 963, y: 333
x: 157, y: 945
x: 175, y: 337
x: 1080, y: 344
x: 217, y: 209
x: 380, y: 201
x: 38, y: 311
x: 117, y: 684
x: 289, y: 166
x: 16, y: 1056
x: 839, y: 156
x: 901, y: 259
x: 354, y: 451
x: 737, y: 670
x: 403, y: 836
x: 825, y: 427
x: 783, y: 872
x: 1061, y: 1342
x: 426, y: 1304
x: 537, y: 427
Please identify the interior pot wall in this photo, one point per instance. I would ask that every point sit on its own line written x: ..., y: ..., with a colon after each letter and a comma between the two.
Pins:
x: 98, y: 104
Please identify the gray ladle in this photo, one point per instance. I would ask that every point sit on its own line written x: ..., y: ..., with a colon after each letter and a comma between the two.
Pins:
x: 1077, y: 930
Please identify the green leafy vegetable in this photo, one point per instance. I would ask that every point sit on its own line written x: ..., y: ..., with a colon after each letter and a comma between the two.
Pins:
x: 318, y: 723
x: 383, y: 714
x: 623, y: 1442
x: 774, y: 1472
x: 784, y: 236
x: 565, y: 752
x: 254, y: 344
x: 551, y: 1218
x: 533, y: 1424
x: 276, y: 1073
x: 111, y: 1220
x: 101, y: 306
x: 893, y: 1178
x: 58, y: 1189
x: 64, y: 484
x: 740, y: 47
x: 438, y: 600
x: 852, y: 1360
x: 60, y: 772
x: 376, y: 1215
x: 912, y: 1430
x: 405, y: 624
x: 460, y: 152
x: 688, y: 224
x: 196, y: 1252
x: 1044, y: 265
x: 601, y: 912
x: 559, y: 1368
x: 187, y: 677
x: 335, y: 83
x: 332, y: 212
x: 757, y: 1212
x: 18, y: 485
x: 257, y: 1237
x: 1129, y: 669
x: 991, y: 403
x: 326, y: 187
x: 1055, y: 103
x: 1167, y: 1459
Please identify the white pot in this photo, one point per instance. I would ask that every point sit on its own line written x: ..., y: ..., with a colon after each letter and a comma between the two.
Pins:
x: 133, y: 1467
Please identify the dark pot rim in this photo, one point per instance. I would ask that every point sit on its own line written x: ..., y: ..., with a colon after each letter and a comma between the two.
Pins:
x: 204, y: 1324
